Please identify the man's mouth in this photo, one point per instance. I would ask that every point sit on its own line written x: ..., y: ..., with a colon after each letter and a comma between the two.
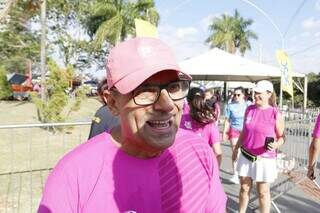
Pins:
x: 160, y: 124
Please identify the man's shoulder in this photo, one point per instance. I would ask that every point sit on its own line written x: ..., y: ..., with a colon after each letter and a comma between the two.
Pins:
x: 103, y: 111
x: 93, y: 150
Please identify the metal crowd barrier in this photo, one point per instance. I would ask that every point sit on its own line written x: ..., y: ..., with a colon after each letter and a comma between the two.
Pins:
x: 292, y: 161
x: 28, y: 153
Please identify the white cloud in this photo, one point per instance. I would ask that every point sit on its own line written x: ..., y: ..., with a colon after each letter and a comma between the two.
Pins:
x: 305, y: 34
x: 185, y: 42
x: 311, y: 24
x: 182, y: 33
x: 206, y: 21
x: 317, y: 6
x: 317, y: 34
x: 293, y: 38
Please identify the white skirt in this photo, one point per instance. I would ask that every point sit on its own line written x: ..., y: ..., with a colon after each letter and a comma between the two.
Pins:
x: 262, y: 170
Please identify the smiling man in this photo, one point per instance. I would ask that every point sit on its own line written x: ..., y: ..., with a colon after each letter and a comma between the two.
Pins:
x: 146, y: 164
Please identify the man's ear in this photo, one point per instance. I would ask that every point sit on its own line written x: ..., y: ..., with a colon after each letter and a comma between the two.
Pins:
x: 111, y: 103
x: 105, y: 95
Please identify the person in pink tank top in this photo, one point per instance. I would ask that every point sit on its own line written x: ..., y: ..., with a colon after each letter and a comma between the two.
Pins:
x: 262, y: 135
x: 146, y: 163
x: 200, y: 119
x: 314, y: 149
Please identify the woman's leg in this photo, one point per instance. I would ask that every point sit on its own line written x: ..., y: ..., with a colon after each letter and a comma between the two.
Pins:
x: 263, y: 189
x: 244, y: 195
x: 233, y: 142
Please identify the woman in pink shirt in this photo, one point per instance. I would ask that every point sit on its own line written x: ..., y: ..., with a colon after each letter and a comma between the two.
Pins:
x: 262, y: 134
x: 314, y: 149
x: 200, y: 119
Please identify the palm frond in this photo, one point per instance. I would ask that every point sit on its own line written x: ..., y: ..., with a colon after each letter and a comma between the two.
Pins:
x: 109, y: 31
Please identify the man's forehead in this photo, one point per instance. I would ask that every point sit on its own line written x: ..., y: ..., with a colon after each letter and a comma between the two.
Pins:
x: 163, y: 77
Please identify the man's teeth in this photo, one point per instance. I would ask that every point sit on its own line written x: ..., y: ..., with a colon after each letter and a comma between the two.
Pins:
x: 162, y: 124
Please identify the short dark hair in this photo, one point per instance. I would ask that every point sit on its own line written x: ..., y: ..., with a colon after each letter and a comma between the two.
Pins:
x: 103, y: 85
x: 240, y: 88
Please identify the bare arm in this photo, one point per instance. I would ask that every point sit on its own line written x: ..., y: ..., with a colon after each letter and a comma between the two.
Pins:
x: 279, y: 133
x: 225, y: 129
x: 314, y: 150
x: 216, y: 147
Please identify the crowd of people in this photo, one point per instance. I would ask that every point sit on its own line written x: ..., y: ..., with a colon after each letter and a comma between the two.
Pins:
x: 155, y: 145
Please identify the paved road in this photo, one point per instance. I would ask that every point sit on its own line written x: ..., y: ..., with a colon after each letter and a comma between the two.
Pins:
x: 300, y: 199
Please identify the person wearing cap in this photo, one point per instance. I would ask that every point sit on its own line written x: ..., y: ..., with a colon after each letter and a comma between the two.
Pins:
x: 314, y: 150
x: 200, y: 120
x: 234, y: 114
x: 103, y: 119
x: 263, y: 133
x: 146, y: 163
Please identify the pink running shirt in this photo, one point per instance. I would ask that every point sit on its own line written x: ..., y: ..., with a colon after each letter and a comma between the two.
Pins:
x: 259, y: 124
x: 316, y: 130
x: 99, y: 177
x: 209, y: 132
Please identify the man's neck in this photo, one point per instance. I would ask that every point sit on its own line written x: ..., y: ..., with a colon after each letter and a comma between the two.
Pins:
x: 130, y: 147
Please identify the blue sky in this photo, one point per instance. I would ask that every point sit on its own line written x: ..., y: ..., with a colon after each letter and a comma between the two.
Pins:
x: 184, y: 26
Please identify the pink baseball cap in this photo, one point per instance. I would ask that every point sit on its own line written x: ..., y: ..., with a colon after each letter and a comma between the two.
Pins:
x: 133, y: 61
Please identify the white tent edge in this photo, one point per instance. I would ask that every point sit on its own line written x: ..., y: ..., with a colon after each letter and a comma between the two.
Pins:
x: 218, y: 65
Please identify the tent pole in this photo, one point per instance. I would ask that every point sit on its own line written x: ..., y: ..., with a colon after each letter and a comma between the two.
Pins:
x: 225, y: 88
x: 280, y: 94
x: 305, y: 93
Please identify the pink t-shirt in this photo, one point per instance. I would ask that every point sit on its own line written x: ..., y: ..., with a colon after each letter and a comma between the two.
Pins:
x: 99, y: 177
x: 209, y: 132
x: 316, y: 131
x: 259, y: 124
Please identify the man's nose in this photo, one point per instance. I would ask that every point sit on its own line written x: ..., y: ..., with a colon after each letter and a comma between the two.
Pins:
x: 164, y: 103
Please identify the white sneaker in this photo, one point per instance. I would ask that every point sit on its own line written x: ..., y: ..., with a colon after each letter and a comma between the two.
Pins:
x: 234, y: 179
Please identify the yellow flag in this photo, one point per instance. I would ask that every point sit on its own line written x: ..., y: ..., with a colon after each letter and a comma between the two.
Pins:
x: 286, y: 71
x: 145, y: 29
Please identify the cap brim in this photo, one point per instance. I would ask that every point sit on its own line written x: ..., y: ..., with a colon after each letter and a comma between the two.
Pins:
x: 134, y: 79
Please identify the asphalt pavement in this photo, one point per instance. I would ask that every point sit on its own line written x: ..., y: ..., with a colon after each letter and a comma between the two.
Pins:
x: 303, y: 196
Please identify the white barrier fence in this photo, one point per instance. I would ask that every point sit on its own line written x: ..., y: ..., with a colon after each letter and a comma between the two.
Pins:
x: 28, y: 152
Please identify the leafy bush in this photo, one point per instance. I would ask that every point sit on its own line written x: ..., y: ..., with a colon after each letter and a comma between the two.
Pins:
x: 5, y: 90
x: 58, y: 105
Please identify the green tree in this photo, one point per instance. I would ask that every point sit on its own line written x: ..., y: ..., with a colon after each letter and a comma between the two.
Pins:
x: 313, y: 89
x: 231, y: 33
x: 58, y: 105
x: 17, y: 42
x: 5, y: 90
x: 243, y: 35
x: 113, y: 20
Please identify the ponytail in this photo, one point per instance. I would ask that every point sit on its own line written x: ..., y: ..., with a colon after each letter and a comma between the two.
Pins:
x: 273, y: 99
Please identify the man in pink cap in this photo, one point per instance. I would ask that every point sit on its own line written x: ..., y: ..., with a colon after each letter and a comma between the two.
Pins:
x: 146, y: 164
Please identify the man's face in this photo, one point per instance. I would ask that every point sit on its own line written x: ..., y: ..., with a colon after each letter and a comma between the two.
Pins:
x: 238, y: 96
x: 151, y: 127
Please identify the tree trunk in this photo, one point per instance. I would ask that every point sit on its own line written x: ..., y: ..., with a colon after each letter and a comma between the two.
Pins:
x: 43, y: 50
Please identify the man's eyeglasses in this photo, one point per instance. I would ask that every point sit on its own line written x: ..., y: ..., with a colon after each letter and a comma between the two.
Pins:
x: 236, y: 95
x: 149, y: 94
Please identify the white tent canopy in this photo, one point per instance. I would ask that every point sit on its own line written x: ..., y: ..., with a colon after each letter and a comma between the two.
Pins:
x: 219, y: 84
x: 218, y: 65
